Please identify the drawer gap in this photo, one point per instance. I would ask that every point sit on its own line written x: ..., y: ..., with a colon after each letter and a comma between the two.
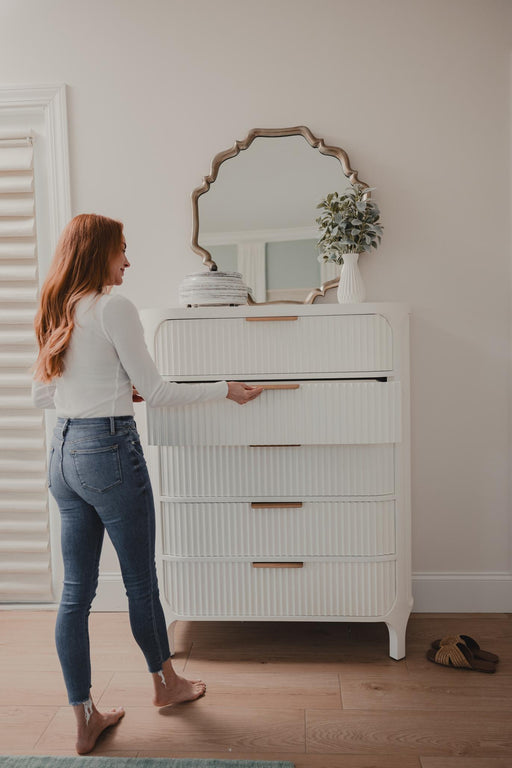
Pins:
x: 255, y: 379
x: 276, y: 504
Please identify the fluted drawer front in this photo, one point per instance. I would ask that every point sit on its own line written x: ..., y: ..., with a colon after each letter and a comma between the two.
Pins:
x: 203, y: 471
x: 232, y: 347
x: 202, y: 588
x: 224, y: 529
x: 327, y: 412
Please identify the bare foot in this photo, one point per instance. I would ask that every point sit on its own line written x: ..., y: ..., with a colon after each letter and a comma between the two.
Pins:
x: 88, y: 733
x: 178, y: 689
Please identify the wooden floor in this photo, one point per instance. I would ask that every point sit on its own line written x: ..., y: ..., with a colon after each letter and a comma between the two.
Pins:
x: 319, y: 695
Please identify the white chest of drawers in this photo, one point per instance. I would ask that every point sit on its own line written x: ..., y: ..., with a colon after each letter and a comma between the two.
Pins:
x: 296, y: 506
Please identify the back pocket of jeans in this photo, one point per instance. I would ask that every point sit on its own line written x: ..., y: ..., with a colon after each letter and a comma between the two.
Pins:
x: 98, y: 469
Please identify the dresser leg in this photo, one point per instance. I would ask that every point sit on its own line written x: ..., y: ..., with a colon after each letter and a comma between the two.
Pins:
x: 170, y: 631
x: 397, y: 628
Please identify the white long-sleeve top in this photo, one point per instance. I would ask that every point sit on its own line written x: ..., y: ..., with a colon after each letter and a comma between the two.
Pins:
x: 108, y: 354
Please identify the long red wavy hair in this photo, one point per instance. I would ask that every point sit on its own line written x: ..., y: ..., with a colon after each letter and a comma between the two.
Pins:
x: 80, y: 266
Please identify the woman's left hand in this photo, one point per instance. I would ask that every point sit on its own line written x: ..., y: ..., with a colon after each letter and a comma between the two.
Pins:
x: 136, y: 397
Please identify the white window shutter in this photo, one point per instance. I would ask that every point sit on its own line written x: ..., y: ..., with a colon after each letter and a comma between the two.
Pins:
x: 25, y: 572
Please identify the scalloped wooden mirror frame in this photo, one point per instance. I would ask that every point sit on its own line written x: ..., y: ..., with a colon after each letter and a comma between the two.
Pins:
x: 316, y: 143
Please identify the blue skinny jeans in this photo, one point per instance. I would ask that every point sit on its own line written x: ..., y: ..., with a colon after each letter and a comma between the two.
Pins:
x: 98, y: 476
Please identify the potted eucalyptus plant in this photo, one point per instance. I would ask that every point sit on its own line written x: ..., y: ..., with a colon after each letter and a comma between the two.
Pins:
x: 349, y: 225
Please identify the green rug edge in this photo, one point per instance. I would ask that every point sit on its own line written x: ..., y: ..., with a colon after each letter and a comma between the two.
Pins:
x: 51, y: 761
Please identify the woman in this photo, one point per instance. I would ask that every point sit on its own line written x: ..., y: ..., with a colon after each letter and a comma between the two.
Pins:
x: 91, y: 357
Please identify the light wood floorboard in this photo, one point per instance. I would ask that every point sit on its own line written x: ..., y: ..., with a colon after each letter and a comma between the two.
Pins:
x: 321, y: 695
x: 20, y: 687
x: 22, y: 727
x: 262, y: 687
x: 482, y: 694
x: 422, y: 733
x: 207, y: 728
x: 465, y: 762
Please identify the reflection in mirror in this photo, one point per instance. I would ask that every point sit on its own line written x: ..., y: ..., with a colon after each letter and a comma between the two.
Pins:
x: 279, y: 270
x: 258, y: 218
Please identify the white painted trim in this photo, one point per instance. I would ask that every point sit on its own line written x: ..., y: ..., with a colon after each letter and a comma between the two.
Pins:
x: 433, y: 593
x: 59, y: 181
x: 57, y: 565
x: 263, y: 235
x: 50, y: 101
x: 486, y: 592
x: 29, y: 606
x: 110, y: 595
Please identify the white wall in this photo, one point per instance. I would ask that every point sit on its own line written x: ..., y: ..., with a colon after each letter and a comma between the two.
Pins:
x: 418, y: 93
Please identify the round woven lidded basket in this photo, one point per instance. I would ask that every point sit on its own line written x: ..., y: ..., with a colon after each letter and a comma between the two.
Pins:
x: 213, y: 289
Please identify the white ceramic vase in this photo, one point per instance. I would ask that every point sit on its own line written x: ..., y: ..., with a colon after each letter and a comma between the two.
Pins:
x: 350, y: 286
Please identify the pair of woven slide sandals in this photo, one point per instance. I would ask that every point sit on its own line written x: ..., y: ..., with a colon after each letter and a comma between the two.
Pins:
x: 462, y: 652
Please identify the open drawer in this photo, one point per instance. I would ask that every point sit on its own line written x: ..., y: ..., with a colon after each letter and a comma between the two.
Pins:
x: 296, y: 413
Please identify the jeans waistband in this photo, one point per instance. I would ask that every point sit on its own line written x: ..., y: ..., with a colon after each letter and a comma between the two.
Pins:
x: 109, y: 423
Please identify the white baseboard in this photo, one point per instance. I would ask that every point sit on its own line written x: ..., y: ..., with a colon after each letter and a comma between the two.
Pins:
x: 462, y: 592
x: 111, y: 594
x: 433, y: 593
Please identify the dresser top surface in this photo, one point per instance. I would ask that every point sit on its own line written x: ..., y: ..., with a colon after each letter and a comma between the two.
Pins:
x: 392, y: 311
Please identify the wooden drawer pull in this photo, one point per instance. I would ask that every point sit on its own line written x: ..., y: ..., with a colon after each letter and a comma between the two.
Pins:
x: 276, y: 504
x: 277, y: 565
x: 279, y: 386
x: 278, y: 319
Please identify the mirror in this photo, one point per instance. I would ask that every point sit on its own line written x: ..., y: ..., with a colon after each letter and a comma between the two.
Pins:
x: 258, y: 218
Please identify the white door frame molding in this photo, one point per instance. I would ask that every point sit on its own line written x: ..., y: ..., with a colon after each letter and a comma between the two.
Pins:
x: 48, y: 102
x: 40, y: 111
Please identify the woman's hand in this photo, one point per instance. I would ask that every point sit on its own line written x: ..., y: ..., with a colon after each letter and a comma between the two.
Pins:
x: 136, y: 397
x: 241, y: 393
